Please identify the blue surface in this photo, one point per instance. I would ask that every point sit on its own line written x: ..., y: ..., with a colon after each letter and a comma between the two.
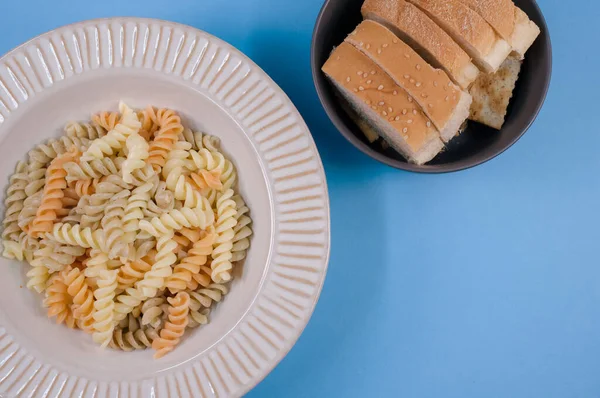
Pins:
x: 483, y: 283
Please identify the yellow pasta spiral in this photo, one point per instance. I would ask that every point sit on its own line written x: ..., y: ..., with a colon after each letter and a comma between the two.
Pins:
x: 77, y: 236
x: 85, y: 130
x: 174, y: 328
x: 222, y: 255
x: 161, y: 269
x: 104, y: 307
x: 115, y: 139
x: 201, y: 216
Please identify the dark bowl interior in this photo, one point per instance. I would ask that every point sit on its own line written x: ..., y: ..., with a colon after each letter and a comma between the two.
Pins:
x: 478, y: 143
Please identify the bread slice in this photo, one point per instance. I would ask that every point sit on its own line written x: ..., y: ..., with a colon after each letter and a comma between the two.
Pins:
x: 441, y: 100
x: 492, y: 93
x: 384, y: 105
x: 431, y: 42
x: 525, y: 33
x: 469, y: 30
x: 511, y: 23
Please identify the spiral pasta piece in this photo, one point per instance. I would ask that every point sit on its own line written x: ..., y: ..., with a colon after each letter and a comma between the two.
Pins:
x: 115, y: 139
x: 112, y: 225
x: 132, y: 272
x: 96, y: 168
x: 107, y: 120
x: 186, y: 237
x: 205, y: 179
x: 190, y: 265
x: 37, y: 276
x: 153, y: 311
x: 14, y: 202
x: 43, y: 154
x: 166, y: 137
x: 201, y: 216
x: 200, y: 140
x: 77, y: 236
x: 37, y: 180
x: 176, y: 161
x: 149, y: 126
x: 242, y: 230
x: 30, y: 207
x: 104, y: 307
x: 134, y: 211
x: 174, y: 328
x: 161, y: 269
x: 82, y: 296
x: 90, y: 131
x: 133, y: 336
x: 126, y: 302
x: 226, y: 221
x: 85, y: 187
x: 137, y: 153
x: 51, y: 201
x: 59, y: 302
x: 55, y: 256
x: 206, y: 296
x: 93, y: 208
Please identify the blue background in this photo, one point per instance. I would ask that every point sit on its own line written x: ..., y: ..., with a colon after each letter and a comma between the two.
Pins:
x: 483, y: 283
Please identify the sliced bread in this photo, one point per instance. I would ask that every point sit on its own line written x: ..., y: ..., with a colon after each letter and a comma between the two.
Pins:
x: 441, y: 100
x: 416, y: 29
x: 382, y: 104
x: 511, y: 23
x: 469, y: 30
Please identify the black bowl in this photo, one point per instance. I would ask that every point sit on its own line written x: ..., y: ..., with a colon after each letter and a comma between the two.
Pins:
x: 478, y: 143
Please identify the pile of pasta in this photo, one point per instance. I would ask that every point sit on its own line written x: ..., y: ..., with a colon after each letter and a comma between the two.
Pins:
x: 131, y: 225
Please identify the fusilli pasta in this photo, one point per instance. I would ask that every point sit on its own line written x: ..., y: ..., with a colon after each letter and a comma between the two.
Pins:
x: 131, y: 226
x: 173, y: 330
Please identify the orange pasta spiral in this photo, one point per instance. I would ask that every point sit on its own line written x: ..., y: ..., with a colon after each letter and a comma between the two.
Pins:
x: 132, y: 272
x: 190, y: 265
x: 83, y: 298
x: 107, y: 120
x: 207, y: 179
x: 52, y: 197
x: 166, y: 137
x: 186, y: 237
x: 178, y: 319
x: 149, y: 126
x: 58, y: 301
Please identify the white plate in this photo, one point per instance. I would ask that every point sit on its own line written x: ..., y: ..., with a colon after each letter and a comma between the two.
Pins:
x: 73, y: 71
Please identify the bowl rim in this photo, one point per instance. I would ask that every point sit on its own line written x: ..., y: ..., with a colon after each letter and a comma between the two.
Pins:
x: 263, y: 370
x: 460, y: 165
